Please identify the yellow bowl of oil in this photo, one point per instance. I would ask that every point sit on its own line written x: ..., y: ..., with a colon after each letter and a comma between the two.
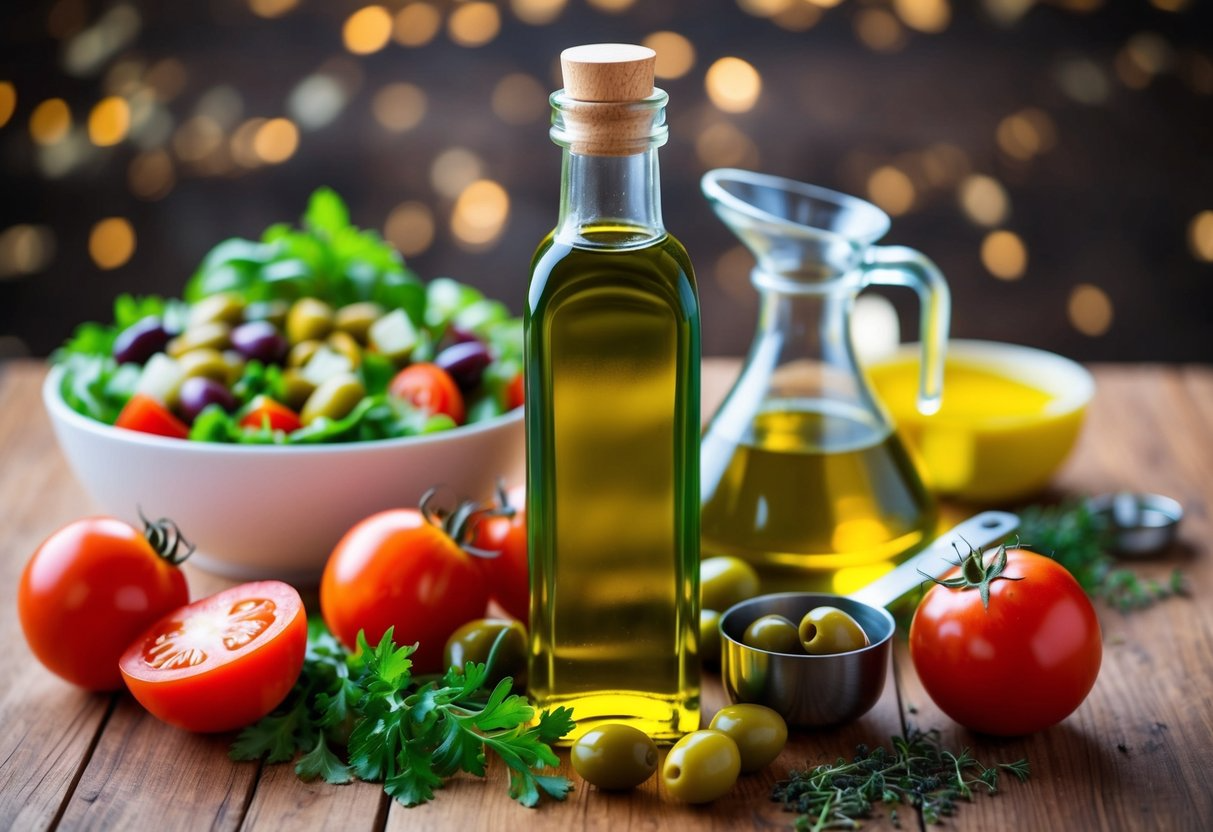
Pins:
x: 1010, y: 416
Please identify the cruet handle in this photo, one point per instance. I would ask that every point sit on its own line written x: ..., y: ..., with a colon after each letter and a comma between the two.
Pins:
x: 902, y: 266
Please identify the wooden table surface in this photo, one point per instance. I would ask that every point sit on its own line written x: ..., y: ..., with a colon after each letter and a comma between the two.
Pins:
x: 1135, y: 755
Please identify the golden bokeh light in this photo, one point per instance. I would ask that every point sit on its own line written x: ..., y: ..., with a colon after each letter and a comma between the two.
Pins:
x: 930, y: 16
x: 410, y: 228
x: 764, y: 8
x: 519, y: 99
x: 125, y: 76
x: 1170, y: 5
x: 1027, y: 133
x: 732, y: 273
x: 480, y: 214
x: 416, y: 24
x: 612, y: 6
x: 879, y: 30
x: 675, y: 54
x: 1008, y: 12
x: 399, y: 107
x: 984, y: 200
x: 276, y: 140
x: 733, y: 85
x: 1084, y: 81
x: 367, y: 30
x: 241, y: 145
x: 8, y: 101
x: 50, y: 121
x: 722, y: 145
x: 1090, y: 310
x: 1200, y: 236
x: 197, y: 138
x: 109, y: 121
x: 111, y: 242
x: 271, y: 8
x: 1004, y: 255
x: 537, y: 12
x: 474, y: 24
x: 166, y: 78
x: 454, y: 170
x: 798, y: 17
x: 1146, y: 55
x: 825, y: 4
x: 891, y: 189
x: 151, y: 175
x: 25, y: 249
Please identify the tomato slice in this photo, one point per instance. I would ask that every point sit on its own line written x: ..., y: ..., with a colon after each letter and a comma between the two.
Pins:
x: 430, y: 388
x: 514, y: 395
x: 146, y: 415
x: 222, y: 662
x: 265, y: 411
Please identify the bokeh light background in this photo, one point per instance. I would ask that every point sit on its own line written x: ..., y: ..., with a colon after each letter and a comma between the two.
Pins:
x: 1054, y: 158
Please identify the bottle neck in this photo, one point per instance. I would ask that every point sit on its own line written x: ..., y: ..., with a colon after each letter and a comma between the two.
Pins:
x: 610, y: 201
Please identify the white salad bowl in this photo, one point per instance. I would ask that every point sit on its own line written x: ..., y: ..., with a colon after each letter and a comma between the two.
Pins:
x: 258, y: 511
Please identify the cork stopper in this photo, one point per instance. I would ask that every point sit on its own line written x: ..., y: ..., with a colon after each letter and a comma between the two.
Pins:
x: 608, y: 72
x: 608, y: 106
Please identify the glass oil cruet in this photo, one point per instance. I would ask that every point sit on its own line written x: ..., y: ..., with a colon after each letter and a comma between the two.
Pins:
x: 802, y: 473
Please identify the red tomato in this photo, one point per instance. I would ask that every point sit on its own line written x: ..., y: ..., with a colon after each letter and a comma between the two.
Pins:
x: 430, y: 388
x: 87, y: 592
x: 397, y: 569
x: 508, y: 573
x: 514, y: 393
x: 145, y: 414
x: 1020, y: 665
x: 265, y: 411
x: 222, y: 662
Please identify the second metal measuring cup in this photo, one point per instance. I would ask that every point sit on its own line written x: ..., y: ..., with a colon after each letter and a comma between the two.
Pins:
x: 812, y: 691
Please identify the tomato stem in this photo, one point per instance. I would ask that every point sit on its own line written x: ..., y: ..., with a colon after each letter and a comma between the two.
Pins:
x: 460, y: 524
x: 166, y: 539
x: 975, y: 573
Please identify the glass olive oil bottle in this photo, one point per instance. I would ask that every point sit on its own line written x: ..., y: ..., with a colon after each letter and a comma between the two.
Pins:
x: 612, y: 417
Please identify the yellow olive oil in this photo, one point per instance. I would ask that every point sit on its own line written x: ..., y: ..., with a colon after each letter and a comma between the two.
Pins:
x: 612, y: 413
x: 817, y: 495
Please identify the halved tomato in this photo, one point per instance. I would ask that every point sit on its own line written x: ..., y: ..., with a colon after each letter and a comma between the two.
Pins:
x: 222, y: 662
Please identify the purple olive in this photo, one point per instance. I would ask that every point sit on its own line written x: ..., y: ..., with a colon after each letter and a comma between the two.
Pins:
x: 197, y: 392
x: 455, y: 335
x: 141, y: 340
x: 465, y: 363
x: 260, y: 341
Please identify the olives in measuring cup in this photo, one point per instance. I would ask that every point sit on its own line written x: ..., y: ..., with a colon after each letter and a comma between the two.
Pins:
x: 473, y: 642
x: 140, y: 341
x: 614, y: 756
x: 773, y: 633
x: 760, y: 733
x: 828, y: 630
x: 725, y: 581
x: 701, y: 766
x: 465, y: 363
x: 260, y: 341
x: 198, y: 392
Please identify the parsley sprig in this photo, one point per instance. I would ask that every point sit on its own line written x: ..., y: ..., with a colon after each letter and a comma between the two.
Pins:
x: 918, y: 771
x: 410, y: 734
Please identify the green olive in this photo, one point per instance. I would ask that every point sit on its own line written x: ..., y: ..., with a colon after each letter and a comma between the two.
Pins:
x: 709, y: 637
x: 473, y: 642
x: 773, y: 633
x: 614, y: 756
x: 760, y: 733
x: 356, y: 319
x: 221, y: 308
x: 213, y: 335
x: 295, y: 389
x: 826, y: 630
x: 205, y: 362
x: 302, y: 353
x: 308, y: 319
x: 333, y: 399
x: 701, y: 766
x: 274, y: 311
x: 725, y: 581
x: 343, y: 343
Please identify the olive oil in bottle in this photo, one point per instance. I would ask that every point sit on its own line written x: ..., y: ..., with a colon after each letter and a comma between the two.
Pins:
x: 612, y: 375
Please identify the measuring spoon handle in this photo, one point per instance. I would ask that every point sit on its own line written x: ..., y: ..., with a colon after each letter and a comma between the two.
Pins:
x: 978, y: 531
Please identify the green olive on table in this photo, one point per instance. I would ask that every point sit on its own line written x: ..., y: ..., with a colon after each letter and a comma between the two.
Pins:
x: 701, y: 766
x: 773, y: 633
x: 473, y: 642
x: 760, y: 733
x: 614, y: 756
x: 334, y: 399
x: 309, y: 319
x: 827, y: 630
x: 725, y: 581
x: 709, y: 637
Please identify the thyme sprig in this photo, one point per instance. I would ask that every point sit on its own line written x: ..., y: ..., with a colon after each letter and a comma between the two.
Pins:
x: 917, y: 771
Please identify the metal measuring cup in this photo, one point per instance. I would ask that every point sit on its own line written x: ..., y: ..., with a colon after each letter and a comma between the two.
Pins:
x: 816, y: 691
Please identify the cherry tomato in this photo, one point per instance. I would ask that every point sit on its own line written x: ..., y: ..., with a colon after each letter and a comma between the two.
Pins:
x: 222, y: 662
x: 1018, y: 665
x: 146, y: 415
x: 514, y: 395
x: 430, y: 388
x: 265, y: 411
x: 508, y: 573
x: 88, y: 591
x: 400, y: 569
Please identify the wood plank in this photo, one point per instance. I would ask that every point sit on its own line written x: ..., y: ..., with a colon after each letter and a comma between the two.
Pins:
x: 1131, y: 755
x: 49, y: 725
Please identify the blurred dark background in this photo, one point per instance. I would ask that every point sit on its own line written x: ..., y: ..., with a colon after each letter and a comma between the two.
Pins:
x: 1054, y: 158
